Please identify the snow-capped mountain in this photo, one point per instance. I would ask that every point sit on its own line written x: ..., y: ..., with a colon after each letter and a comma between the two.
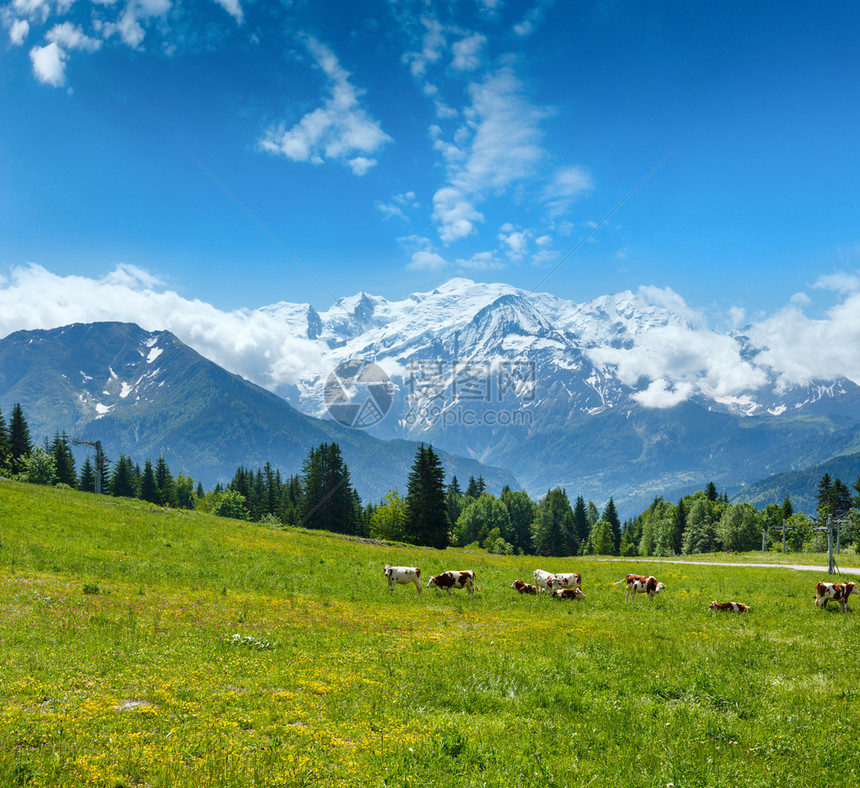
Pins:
x: 510, y: 377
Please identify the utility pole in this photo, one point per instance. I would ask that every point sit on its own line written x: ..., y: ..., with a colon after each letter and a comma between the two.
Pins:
x: 783, y: 536
x: 100, y: 461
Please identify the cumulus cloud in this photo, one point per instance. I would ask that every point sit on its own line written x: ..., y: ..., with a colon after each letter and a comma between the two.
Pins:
x: 432, y: 45
x: 427, y: 261
x: 254, y: 344
x: 69, y: 36
x: 340, y: 130
x: 18, y: 30
x: 840, y: 281
x: 234, y: 8
x: 567, y: 184
x: 662, y: 394
x: 481, y: 261
x: 497, y: 146
x: 49, y: 64
x: 799, y: 349
x: 467, y: 52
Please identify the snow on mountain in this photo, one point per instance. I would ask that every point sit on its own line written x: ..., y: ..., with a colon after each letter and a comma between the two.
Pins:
x: 503, y: 375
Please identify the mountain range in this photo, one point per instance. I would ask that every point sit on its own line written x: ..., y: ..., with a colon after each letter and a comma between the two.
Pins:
x: 145, y: 394
x: 523, y: 388
x: 543, y: 386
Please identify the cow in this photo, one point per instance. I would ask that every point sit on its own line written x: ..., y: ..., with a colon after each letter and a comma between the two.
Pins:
x: 568, y: 593
x: 839, y: 592
x: 542, y: 579
x: 565, y: 580
x: 403, y: 574
x: 524, y: 588
x: 640, y: 584
x: 453, y: 579
x: 735, y: 607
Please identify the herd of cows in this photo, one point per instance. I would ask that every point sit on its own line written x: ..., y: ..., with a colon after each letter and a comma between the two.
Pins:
x: 568, y: 585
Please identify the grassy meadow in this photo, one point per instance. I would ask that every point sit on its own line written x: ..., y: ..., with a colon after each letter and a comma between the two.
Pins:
x: 147, y: 647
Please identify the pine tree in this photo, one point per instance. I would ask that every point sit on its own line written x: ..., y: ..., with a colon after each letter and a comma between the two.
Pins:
x: 148, y: 487
x: 426, y: 509
x: 610, y: 514
x: 87, y: 482
x: 5, y: 446
x: 580, y: 524
x: 472, y: 488
x: 64, y: 461
x: 711, y: 491
x: 788, y: 509
x: 329, y: 502
x: 20, y: 445
x: 122, y: 479
x: 163, y: 481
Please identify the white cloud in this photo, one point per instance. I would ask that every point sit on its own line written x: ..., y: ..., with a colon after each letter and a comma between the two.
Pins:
x: 467, y: 52
x: 433, y: 42
x: 18, y: 30
x: 399, y: 205
x: 455, y: 214
x: 481, y: 261
x: 340, y: 130
x: 253, y: 344
x: 800, y: 349
x: 234, y: 8
x: 427, y: 261
x: 49, y: 64
x: 69, y: 36
x: 531, y: 20
x: 516, y: 241
x: 667, y: 298
x: 498, y: 145
x: 840, y: 281
x: 661, y: 394
x: 567, y: 184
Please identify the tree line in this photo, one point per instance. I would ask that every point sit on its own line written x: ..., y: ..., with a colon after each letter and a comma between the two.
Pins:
x: 432, y: 513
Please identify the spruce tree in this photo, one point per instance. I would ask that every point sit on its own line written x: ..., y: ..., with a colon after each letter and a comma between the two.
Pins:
x: 426, y: 510
x: 580, y: 524
x: 148, y: 487
x: 64, y: 462
x: 610, y: 514
x: 329, y: 502
x: 163, y: 481
x: 20, y: 445
x: 5, y: 446
x: 711, y: 491
x: 87, y: 482
x: 122, y: 479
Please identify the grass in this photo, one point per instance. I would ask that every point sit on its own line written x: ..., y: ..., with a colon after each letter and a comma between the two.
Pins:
x: 208, y: 652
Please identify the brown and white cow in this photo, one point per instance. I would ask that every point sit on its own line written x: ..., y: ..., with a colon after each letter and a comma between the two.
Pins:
x: 735, y: 607
x: 641, y: 584
x: 543, y: 579
x: 403, y: 574
x: 838, y: 592
x: 524, y: 588
x: 568, y: 593
x: 565, y: 580
x: 454, y: 579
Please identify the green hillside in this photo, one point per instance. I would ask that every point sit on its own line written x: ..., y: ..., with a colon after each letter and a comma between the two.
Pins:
x: 150, y: 647
x: 801, y: 485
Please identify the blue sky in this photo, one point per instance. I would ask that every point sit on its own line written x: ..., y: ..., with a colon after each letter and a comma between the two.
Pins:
x: 392, y: 145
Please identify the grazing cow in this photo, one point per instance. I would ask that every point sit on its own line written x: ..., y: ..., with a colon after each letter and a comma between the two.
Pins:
x: 568, y: 593
x: 403, y: 574
x: 839, y: 592
x: 735, y: 607
x: 565, y: 580
x: 542, y: 579
x: 640, y: 584
x: 524, y: 588
x: 448, y: 580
